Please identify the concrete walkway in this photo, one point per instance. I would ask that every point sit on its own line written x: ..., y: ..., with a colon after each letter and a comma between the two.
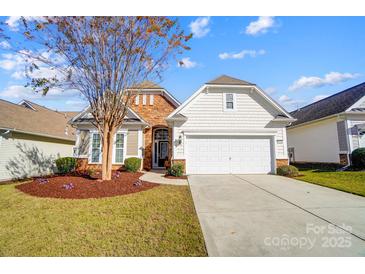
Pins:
x: 157, y: 176
x: 266, y: 215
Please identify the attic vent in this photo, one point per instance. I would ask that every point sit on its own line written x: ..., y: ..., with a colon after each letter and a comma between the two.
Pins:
x: 66, y: 130
x: 27, y: 105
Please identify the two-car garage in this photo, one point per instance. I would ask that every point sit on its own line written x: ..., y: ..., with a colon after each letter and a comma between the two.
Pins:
x: 229, y: 154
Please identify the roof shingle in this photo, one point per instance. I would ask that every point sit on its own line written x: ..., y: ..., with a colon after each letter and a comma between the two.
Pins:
x: 39, y: 121
x: 334, y: 104
x: 228, y: 80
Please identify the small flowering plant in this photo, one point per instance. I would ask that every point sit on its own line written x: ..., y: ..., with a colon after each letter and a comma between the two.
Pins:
x: 42, y: 181
x: 117, y: 174
x: 137, y: 183
x: 68, y: 186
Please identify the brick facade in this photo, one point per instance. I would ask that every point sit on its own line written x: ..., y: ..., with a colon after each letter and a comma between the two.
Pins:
x: 82, y: 165
x: 282, y: 162
x: 155, y: 116
x: 344, y: 159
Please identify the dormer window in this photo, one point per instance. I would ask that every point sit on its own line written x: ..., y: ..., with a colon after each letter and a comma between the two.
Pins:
x: 229, y: 101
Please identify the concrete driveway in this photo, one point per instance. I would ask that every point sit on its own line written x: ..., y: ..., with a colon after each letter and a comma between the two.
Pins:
x: 267, y: 215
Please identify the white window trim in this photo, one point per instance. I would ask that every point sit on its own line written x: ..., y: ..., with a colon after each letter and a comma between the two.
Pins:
x: 124, y: 132
x: 151, y: 99
x: 225, y: 101
x: 144, y: 99
x: 91, y: 147
x: 137, y: 100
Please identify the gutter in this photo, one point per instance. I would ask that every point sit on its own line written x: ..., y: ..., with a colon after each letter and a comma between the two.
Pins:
x: 36, y: 134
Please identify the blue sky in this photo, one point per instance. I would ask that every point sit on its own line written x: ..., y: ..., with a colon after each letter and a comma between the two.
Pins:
x: 297, y: 60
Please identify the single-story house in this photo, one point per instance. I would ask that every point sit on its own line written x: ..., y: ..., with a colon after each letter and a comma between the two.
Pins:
x: 328, y: 131
x: 227, y: 126
x: 31, y: 138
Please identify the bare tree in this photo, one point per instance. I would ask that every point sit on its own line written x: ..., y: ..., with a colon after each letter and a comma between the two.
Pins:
x: 101, y: 57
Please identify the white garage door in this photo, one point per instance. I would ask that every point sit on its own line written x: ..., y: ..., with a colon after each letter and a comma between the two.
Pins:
x: 228, y: 155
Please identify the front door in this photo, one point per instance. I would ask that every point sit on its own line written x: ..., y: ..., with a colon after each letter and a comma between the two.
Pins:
x: 160, y: 148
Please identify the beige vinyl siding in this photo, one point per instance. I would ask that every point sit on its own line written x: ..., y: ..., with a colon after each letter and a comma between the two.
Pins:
x: 83, y: 142
x: 206, y: 112
x: 24, y: 155
x: 315, y: 142
x: 132, y: 143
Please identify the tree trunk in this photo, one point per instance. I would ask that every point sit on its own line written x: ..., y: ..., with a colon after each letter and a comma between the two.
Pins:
x: 107, y: 157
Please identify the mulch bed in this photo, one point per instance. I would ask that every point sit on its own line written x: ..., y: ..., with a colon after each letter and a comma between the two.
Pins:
x: 84, y: 187
x: 173, y: 177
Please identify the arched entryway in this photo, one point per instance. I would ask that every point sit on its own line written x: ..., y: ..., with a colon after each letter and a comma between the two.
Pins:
x: 160, y: 151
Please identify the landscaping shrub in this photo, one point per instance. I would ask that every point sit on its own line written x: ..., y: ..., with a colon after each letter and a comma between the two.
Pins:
x: 176, y: 170
x: 287, y: 170
x: 132, y: 164
x: 65, y: 164
x: 358, y: 158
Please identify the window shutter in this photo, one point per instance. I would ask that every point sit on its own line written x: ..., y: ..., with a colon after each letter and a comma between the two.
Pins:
x: 342, y: 138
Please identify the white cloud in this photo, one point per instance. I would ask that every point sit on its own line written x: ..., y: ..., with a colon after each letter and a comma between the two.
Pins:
x: 262, y: 25
x: 319, y: 97
x: 270, y: 90
x: 187, y: 63
x: 289, y: 103
x: 16, y: 64
x: 21, y: 92
x: 5, y: 45
x: 200, y: 27
x: 284, y: 99
x: 242, y: 54
x: 329, y: 79
x: 13, y: 21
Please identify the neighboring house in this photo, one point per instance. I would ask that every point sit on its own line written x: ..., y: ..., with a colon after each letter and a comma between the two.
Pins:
x: 144, y: 133
x: 31, y: 138
x: 227, y: 126
x: 328, y: 131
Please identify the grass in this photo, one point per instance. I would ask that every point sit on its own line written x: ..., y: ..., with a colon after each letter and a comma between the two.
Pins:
x: 348, y: 181
x: 158, y: 222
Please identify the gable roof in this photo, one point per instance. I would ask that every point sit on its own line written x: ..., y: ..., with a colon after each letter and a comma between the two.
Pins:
x: 85, y: 117
x: 331, y: 105
x: 147, y: 85
x: 35, y: 119
x: 228, y: 80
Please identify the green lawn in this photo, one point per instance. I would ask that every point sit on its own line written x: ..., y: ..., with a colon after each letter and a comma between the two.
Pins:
x: 349, y: 181
x: 158, y: 222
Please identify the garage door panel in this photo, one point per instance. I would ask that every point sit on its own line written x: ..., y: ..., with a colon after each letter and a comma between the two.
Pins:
x: 228, y: 155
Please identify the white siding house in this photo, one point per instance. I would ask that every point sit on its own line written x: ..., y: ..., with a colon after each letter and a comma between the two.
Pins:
x: 32, y: 137
x: 229, y: 126
x: 329, y: 130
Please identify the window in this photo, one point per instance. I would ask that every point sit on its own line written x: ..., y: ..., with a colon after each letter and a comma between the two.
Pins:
x: 137, y: 100
x: 95, y: 148
x: 144, y: 99
x: 119, y: 148
x: 229, y: 101
x: 151, y: 99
